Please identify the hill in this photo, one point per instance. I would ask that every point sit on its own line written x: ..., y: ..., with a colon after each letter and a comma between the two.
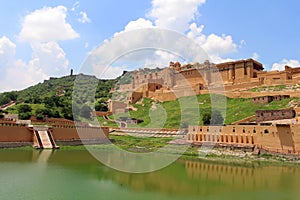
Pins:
x: 236, y: 109
x: 54, y: 97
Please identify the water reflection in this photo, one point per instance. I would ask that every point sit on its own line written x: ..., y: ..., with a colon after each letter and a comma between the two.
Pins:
x: 76, y: 172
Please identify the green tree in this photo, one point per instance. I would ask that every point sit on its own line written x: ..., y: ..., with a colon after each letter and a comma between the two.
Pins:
x: 85, y: 111
x: 24, y: 108
x: 216, y: 118
x: 24, y: 116
x: 206, y: 118
x: 213, y: 118
x: 4, y: 99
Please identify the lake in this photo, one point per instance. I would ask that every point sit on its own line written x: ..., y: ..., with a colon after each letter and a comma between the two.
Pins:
x: 75, y: 174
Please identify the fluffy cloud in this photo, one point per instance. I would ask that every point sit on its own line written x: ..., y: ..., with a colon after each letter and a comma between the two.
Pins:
x: 137, y: 24
x: 48, y: 59
x: 47, y: 24
x: 174, y: 14
x: 280, y: 66
x: 215, y: 46
x: 84, y: 18
x: 7, y: 51
x: 15, y: 74
x: 179, y: 15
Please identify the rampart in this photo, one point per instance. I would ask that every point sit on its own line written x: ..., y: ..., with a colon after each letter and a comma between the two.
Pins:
x: 12, y: 134
x: 273, y: 138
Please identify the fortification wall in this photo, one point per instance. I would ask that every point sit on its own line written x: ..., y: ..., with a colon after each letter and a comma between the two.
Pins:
x: 64, y: 133
x: 15, y: 133
x: 18, y: 135
x: 273, y: 138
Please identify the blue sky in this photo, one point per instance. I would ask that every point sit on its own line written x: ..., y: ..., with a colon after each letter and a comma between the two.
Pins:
x: 39, y: 39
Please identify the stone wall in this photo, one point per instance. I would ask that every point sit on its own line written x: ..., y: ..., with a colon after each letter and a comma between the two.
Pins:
x: 273, y: 138
x: 269, y: 115
x: 12, y: 135
x: 15, y: 133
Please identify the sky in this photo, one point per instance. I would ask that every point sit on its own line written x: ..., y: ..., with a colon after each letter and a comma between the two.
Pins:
x: 47, y: 38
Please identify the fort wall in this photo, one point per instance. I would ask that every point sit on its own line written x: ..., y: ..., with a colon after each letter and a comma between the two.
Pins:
x: 273, y: 138
x: 21, y: 135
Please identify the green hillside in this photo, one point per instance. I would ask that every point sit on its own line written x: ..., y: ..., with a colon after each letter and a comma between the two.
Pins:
x: 54, y: 97
x: 236, y: 109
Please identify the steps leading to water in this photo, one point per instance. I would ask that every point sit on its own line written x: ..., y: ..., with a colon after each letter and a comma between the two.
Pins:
x: 44, y: 139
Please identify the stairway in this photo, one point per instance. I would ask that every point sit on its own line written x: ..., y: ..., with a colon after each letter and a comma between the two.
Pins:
x: 45, y: 139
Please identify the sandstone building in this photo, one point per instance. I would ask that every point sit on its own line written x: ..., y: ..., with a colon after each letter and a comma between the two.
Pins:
x: 189, y: 79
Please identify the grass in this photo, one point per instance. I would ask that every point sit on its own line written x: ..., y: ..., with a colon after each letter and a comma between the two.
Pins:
x: 143, y: 144
x: 178, y: 112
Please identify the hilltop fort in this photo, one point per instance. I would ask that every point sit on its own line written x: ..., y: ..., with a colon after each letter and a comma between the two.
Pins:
x: 192, y: 79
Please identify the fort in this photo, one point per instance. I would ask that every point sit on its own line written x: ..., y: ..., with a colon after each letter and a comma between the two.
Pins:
x: 236, y: 77
x: 273, y: 130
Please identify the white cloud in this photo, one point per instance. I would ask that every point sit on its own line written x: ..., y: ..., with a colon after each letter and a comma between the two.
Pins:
x: 84, y: 18
x: 48, y: 59
x: 15, y: 74
x: 7, y: 51
x: 255, y: 56
x: 137, y: 24
x: 75, y: 6
x: 215, y: 46
x: 47, y: 24
x: 280, y: 66
x: 219, y: 45
x: 174, y: 14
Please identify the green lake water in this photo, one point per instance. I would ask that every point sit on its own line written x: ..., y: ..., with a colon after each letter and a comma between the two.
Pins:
x: 75, y: 174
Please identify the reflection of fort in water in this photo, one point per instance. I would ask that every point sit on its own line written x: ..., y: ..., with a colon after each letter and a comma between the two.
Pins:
x: 251, y: 177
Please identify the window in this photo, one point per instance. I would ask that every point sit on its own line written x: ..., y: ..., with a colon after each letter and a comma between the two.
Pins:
x: 266, y: 131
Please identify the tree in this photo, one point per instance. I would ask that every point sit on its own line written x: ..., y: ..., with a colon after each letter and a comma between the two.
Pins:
x: 24, y: 108
x: 101, y: 105
x: 25, y: 116
x: 206, y: 118
x: 213, y: 118
x: 216, y: 118
x: 24, y: 111
x: 85, y: 111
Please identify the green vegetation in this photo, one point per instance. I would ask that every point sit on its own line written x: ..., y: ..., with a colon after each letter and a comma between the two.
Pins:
x: 139, y: 144
x: 236, y: 109
x: 53, y: 97
x: 275, y: 88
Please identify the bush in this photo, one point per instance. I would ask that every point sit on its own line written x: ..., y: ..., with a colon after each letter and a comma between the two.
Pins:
x: 25, y: 116
x: 213, y: 118
x: 85, y: 111
x: 24, y: 108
